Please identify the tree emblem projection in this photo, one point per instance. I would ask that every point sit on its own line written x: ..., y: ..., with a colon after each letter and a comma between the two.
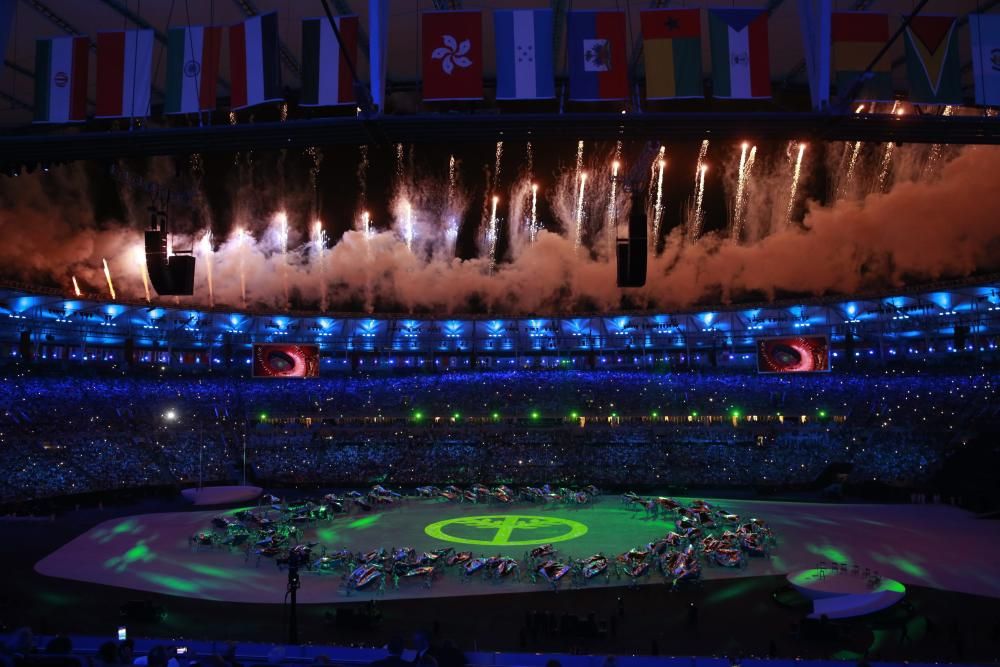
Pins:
x: 506, y: 530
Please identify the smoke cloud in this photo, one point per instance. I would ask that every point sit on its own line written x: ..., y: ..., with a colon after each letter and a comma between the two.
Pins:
x: 930, y: 224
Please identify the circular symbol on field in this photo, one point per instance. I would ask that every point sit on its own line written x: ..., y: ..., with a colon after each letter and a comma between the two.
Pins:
x: 506, y: 529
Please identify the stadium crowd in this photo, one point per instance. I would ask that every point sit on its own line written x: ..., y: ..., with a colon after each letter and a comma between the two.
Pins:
x: 76, y: 434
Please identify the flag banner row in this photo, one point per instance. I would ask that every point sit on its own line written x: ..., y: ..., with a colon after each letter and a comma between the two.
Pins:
x: 596, y: 57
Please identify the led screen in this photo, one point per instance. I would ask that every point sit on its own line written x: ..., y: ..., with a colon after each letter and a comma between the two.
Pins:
x: 793, y: 354
x: 282, y: 360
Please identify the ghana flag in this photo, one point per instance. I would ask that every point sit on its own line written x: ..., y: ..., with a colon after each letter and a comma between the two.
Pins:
x: 671, y: 46
x: 855, y: 39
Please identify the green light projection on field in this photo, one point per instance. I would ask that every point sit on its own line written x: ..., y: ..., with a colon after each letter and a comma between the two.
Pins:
x: 506, y: 529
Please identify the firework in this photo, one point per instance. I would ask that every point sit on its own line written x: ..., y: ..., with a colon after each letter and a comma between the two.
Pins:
x: 612, y: 204
x: 493, y: 233
x: 579, y: 208
x: 282, y: 219
x: 795, y: 183
x: 408, y: 227
x: 533, y: 224
x: 658, y: 206
x: 319, y: 242
x: 76, y: 287
x: 111, y: 285
x: 205, y: 250
x: 241, y: 239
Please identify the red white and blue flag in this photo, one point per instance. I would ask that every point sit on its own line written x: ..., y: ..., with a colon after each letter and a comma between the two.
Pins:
x: 598, y: 69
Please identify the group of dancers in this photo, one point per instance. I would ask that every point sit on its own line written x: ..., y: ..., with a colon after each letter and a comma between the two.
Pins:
x: 701, y: 533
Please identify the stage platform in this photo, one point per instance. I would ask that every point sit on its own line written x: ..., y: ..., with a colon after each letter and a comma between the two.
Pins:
x: 845, y: 593
x: 221, y: 495
x: 151, y: 552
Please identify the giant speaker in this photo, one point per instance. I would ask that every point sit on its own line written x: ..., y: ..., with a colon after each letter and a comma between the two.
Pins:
x: 170, y: 275
x: 632, y: 251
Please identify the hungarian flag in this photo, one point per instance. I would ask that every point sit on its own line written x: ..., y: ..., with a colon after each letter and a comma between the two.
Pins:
x: 855, y: 40
x: 671, y: 46
x: 124, y: 73
x: 524, y: 54
x: 253, y: 61
x: 598, y: 68
x: 452, y: 55
x: 326, y: 77
x: 932, y: 64
x: 61, y: 79
x: 192, y: 68
x: 740, y: 67
x: 984, y: 30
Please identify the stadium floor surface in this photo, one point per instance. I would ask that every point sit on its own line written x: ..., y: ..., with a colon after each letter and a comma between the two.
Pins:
x: 927, y: 545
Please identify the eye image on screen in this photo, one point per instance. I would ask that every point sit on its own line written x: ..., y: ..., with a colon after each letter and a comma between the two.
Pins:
x: 793, y: 354
x: 280, y: 360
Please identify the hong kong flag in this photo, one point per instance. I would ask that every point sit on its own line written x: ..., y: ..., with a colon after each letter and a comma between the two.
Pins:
x: 452, y: 55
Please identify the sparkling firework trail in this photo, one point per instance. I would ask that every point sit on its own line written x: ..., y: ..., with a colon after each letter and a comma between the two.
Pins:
x: 76, y: 287
x: 282, y: 219
x: 450, y: 201
x: 658, y: 206
x: 533, y: 225
x: 613, y: 205
x: 699, y: 199
x: 408, y: 227
x: 579, y: 159
x: 399, y: 162
x: 319, y: 241
x: 739, y: 209
x: 366, y: 224
x: 493, y: 233
x: 206, y: 252
x: 241, y: 238
x: 530, y: 158
x: 107, y: 274
x: 934, y: 156
x: 579, y: 208
x: 702, y: 154
x: 496, y: 166
x: 795, y: 183
x: 849, y: 174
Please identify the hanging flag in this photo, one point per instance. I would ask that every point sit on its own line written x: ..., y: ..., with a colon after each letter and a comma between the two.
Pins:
x: 598, y: 69
x: 740, y: 67
x: 984, y: 30
x: 326, y: 76
x: 524, y: 54
x: 192, y: 68
x: 671, y: 46
x: 856, y: 38
x: 61, y: 79
x: 452, y: 55
x: 932, y: 64
x: 253, y: 61
x: 124, y: 73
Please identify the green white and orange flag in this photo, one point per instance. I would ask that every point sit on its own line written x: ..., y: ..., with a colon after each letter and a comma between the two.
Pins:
x: 932, y: 63
x: 192, y: 68
x: 671, y: 46
x: 855, y: 40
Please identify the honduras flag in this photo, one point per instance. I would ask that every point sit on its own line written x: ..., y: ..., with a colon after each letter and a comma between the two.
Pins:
x: 524, y: 54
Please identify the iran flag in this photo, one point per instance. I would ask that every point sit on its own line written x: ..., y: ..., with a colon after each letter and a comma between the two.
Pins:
x: 124, y: 73
x: 61, y: 79
x: 740, y: 67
